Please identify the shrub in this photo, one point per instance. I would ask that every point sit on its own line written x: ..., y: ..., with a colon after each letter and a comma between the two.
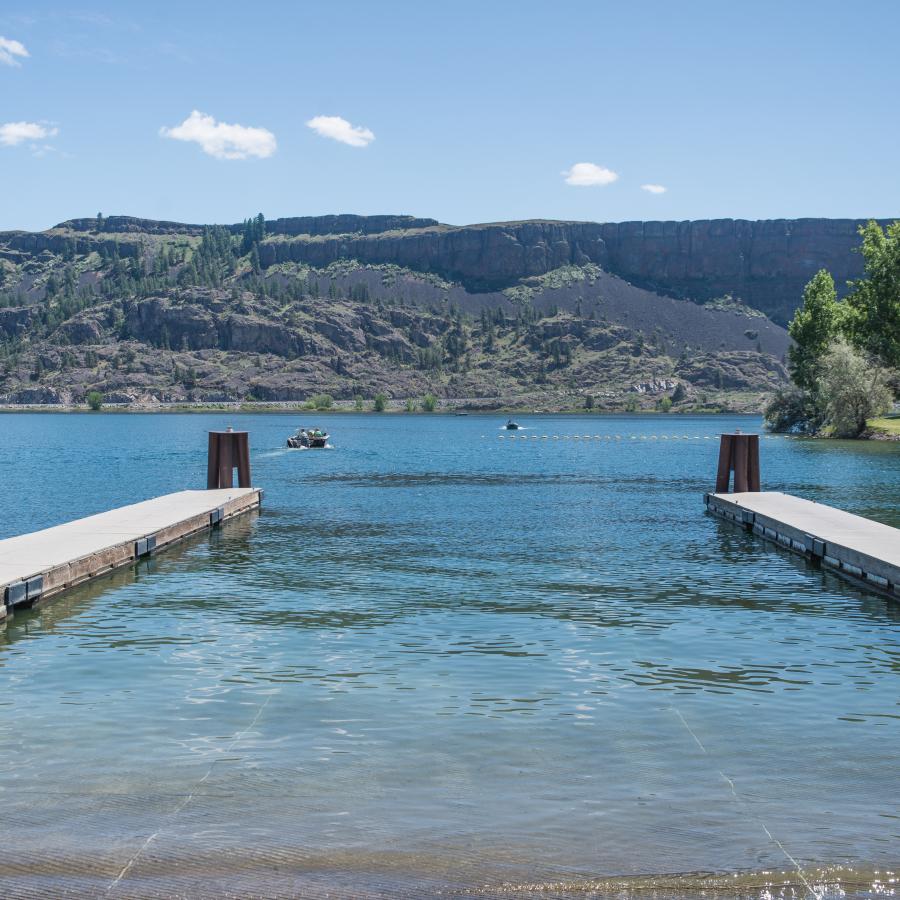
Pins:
x: 358, y: 404
x: 792, y: 409
x: 410, y: 404
x: 429, y: 403
x: 379, y: 404
x: 665, y: 404
x: 94, y: 400
x: 849, y: 390
x: 853, y: 389
x: 323, y: 401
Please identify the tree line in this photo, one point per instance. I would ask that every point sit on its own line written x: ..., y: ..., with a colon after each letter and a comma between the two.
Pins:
x: 845, y: 360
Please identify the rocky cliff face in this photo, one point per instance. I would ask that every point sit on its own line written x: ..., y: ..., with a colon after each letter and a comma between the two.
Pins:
x: 345, y: 224
x: 764, y: 264
x: 481, y: 257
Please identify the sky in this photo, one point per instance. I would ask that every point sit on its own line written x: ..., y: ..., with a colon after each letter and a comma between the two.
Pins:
x: 463, y: 112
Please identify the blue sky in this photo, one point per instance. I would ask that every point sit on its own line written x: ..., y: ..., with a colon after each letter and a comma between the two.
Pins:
x: 463, y: 111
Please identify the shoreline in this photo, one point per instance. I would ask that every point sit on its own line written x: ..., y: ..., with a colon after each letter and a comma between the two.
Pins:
x: 299, y: 407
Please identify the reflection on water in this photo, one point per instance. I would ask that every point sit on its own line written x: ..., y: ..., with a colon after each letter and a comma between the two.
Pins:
x: 439, y: 662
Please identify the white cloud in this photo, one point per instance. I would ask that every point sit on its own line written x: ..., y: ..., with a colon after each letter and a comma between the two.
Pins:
x: 339, y: 129
x: 13, y: 133
x: 653, y: 188
x: 588, y: 175
x: 222, y: 140
x: 9, y: 50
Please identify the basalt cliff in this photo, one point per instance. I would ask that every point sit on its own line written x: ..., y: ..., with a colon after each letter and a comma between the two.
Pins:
x: 542, y: 313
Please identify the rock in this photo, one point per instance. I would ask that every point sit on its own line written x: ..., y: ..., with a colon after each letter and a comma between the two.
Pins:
x: 15, y: 320
x: 654, y: 386
x: 39, y: 395
x: 157, y: 321
x: 81, y: 331
x: 254, y: 335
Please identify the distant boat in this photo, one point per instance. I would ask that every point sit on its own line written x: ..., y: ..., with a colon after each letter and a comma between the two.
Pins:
x: 308, y: 439
x: 512, y: 426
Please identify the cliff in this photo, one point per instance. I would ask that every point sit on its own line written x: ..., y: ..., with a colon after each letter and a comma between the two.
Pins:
x: 763, y: 264
x: 480, y: 257
x: 539, y: 313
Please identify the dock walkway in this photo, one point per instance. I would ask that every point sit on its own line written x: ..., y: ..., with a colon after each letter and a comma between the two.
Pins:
x: 855, y: 547
x: 37, y: 565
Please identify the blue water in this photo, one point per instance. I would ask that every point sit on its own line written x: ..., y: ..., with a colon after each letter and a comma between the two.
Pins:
x: 448, y: 658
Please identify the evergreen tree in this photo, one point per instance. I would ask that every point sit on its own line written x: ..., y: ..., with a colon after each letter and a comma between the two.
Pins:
x: 814, y: 327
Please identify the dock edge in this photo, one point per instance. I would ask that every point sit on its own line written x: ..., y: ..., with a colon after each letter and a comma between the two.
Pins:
x: 864, y: 571
x: 56, y: 579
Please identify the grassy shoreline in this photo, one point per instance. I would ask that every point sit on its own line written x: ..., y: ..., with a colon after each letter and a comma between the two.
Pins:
x: 884, y: 428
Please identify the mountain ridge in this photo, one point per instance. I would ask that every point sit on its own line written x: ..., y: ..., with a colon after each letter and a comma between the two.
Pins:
x: 763, y: 264
x: 541, y: 313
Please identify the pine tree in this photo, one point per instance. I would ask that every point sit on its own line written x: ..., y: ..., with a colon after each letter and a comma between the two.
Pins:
x: 814, y: 327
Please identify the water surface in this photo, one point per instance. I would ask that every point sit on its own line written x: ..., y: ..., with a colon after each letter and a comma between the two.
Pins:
x: 445, y: 658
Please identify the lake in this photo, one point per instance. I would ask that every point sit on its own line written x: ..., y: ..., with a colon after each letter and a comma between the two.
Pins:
x: 449, y: 659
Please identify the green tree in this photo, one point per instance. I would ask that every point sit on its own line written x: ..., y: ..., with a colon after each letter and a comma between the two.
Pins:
x: 358, y: 404
x: 410, y: 404
x: 665, y: 404
x: 94, y: 400
x: 853, y: 389
x: 379, y: 404
x: 874, y: 301
x: 815, y: 326
x: 323, y: 401
x: 792, y: 409
x: 429, y: 403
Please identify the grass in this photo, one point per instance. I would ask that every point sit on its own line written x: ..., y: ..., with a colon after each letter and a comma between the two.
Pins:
x: 886, y: 424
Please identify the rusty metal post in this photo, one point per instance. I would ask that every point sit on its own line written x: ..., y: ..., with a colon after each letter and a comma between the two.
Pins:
x: 228, y: 449
x: 738, y: 453
x: 242, y: 458
x: 753, y: 463
x: 724, y: 474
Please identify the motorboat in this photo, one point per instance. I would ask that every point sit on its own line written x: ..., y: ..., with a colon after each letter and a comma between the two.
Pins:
x: 512, y: 426
x: 308, y: 439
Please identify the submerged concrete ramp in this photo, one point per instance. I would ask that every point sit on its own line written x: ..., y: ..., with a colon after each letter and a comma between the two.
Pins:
x: 37, y: 565
x: 859, y: 548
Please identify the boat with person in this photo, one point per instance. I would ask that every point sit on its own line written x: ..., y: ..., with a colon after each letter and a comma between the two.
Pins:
x: 308, y: 439
x: 512, y: 426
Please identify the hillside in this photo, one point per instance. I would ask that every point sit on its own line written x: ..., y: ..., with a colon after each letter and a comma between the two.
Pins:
x: 530, y: 313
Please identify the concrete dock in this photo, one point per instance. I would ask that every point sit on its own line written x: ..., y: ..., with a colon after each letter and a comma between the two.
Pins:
x: 857, y: 548
x: 38, y: 565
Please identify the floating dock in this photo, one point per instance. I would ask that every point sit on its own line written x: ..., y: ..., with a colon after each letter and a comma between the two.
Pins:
x: 857, y: 548
x: 38, y: 565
